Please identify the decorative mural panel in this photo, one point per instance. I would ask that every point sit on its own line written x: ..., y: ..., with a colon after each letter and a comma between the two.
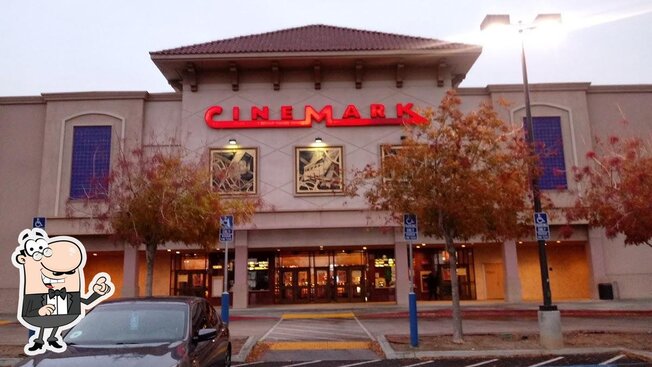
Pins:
x: 234, y: 170
x: 319, y: 170
x: 387, y: 150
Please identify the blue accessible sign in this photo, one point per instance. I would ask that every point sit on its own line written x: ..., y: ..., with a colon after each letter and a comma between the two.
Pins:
x: 410, y: 231
x: 541, y: 227
x: 38, y: 222
x: 226, y: 228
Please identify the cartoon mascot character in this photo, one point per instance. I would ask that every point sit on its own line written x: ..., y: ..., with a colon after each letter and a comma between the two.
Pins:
x: 52, y: 287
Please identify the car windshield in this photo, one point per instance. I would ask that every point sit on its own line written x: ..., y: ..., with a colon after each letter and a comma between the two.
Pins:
x: 131, y: 323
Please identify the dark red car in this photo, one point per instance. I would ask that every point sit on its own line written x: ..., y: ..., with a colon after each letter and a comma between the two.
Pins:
x: 158, y: 331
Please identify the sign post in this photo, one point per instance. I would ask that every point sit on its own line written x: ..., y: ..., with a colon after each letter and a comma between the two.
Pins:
x: 226, y: 236
x: 411, y: 233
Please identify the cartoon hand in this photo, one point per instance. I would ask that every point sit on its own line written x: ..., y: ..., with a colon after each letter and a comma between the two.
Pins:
x: 46, y: 310
x: 101, y: 286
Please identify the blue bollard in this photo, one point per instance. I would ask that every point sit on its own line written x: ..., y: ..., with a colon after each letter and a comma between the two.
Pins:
x: 414, y: 328
x: 225, y: 307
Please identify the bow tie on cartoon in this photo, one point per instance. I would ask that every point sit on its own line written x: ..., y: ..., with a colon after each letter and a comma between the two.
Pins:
x: 61, y: 293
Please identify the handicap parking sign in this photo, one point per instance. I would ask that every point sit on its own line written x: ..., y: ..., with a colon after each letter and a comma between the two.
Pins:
x: 410, y: 231
x: 38, y: 222
x: 541, y: 228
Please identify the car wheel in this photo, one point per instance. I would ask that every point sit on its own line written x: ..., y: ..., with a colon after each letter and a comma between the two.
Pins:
x: 227, y: 358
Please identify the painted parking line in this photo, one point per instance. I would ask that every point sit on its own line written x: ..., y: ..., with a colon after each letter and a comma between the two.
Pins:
x: 482, y: 363
x: 614, y: 359
x: 418, y: 364
x: 361, y: 363
x: 546, y: 362
x: 271, y: 330
x: 302, y: 363
x: 247, y: 364
x: 318, y: 345
x: 337, y: 315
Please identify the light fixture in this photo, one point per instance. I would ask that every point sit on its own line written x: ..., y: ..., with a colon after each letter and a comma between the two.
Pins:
x: 520, y: 242
x: 233, y: 142
x: 558, y: 241
x: 318, y: 140
x: 463, y: 246
x: 177, y: 252
x: 94, y: 253
x: 169, y: 250
x: 364, y: 247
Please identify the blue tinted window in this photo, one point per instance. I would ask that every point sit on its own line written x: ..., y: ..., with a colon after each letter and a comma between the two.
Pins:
x: 91, y: 155
x: 549, y: 146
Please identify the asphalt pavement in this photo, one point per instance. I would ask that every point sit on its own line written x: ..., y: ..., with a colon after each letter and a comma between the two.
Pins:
x: 346, y: 331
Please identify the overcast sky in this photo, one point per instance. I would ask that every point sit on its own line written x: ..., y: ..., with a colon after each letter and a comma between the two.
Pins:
x: 96, y: 45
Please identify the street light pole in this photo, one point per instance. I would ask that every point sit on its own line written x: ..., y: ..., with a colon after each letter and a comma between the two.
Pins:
x: 536, y: 192
x: 549, y: 317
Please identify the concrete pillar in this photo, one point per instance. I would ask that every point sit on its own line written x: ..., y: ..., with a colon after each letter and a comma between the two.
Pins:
x: 402, y: 273
x: 240, y: 286
x: 550, y: 334
x: 130, y: 272
x: 512, y: 277
x: 595, y: 254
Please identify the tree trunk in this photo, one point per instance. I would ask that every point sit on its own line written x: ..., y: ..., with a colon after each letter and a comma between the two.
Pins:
x: 150, y: 256
x: 458, y: 336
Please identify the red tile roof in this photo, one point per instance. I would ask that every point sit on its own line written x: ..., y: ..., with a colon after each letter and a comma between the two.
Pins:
x: 313, y: 38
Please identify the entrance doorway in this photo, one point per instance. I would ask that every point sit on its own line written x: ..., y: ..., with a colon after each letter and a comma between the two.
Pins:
x: 190, y: 283
x: 350, y: 284
x: 295, y: 285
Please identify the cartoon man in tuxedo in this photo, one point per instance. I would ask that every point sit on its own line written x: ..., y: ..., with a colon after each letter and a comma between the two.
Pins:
x: 51, y: 286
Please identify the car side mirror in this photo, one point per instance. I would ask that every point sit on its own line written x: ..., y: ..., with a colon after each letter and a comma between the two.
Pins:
x: 204, y: 335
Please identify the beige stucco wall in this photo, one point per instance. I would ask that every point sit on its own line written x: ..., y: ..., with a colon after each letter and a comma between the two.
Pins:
x: 21, y: 149
x: 361, y: 145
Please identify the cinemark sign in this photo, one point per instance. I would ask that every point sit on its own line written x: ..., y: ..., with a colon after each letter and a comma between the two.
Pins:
x: 259, y: 117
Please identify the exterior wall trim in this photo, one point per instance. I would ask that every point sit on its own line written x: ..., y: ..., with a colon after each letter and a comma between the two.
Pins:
x: 548, y: 87
x: 76, y: 96
x: 21, y: 100
x: 638, y: 88
x: 57, y: 195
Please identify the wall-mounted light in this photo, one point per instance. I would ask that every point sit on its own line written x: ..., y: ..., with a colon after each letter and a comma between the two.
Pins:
x: 318, y: 140
x: 233, y: 142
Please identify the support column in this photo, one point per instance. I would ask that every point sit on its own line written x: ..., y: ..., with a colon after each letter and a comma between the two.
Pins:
x: 512, y: 277
x: 240, y: 286
x: 595, y: 254
x: 130, y: 269
x: 402, y: 274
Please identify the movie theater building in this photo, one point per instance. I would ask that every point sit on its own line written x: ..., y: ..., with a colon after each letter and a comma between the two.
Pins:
x: 293, y: 113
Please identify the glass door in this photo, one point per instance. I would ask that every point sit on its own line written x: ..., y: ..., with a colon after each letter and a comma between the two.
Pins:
x: 322, y: 284
x: 342, y: 284
x: 357, y: 285
x: 287, y: 286
x: 302, y: 287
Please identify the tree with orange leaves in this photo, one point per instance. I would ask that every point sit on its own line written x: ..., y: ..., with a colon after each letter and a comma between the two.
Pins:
x: 151, y: 198
x: 465, y: 176
x: 616, y: 189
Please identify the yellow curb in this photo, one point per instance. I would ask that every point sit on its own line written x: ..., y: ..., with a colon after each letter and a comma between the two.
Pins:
x: 319, y: 345
x: 4, y: 322
x: 341, y: 315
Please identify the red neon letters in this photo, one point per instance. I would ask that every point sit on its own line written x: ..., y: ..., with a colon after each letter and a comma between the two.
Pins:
x: 350, y: 117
